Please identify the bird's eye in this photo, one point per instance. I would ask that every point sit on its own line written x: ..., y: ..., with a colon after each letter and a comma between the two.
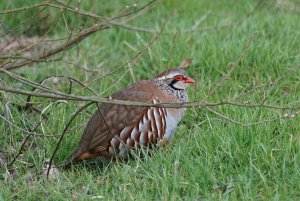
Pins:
x: 178, y: 77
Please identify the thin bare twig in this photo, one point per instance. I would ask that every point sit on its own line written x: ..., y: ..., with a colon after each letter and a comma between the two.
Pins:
x: 25, y: 131
x: 20, y: 151
x: 140, y: 53
x: 63, y: 96
x: 262, y: 86
x: 286, y: 116
x: 232, y: 68
x: 63, y: 134
x: 82, y: 35
x: 64, y: 47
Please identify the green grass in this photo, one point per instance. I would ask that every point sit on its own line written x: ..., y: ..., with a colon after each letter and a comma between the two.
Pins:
x: 210, y: 158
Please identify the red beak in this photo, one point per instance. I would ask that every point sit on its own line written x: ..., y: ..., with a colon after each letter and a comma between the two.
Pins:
x: 189, y: 80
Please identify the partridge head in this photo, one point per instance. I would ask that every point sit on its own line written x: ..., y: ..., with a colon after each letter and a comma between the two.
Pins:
x: 114, y: 129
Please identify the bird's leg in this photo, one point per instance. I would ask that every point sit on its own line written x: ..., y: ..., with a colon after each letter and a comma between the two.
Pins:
x: 163, y: 142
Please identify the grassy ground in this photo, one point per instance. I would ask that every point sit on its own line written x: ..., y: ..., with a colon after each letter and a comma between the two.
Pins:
x: 210, y: 158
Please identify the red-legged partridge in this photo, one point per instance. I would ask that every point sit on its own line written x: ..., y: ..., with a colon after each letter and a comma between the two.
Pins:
x: 119, y: 128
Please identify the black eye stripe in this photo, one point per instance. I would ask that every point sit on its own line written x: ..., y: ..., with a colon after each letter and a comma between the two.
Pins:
x: 173, y: 83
